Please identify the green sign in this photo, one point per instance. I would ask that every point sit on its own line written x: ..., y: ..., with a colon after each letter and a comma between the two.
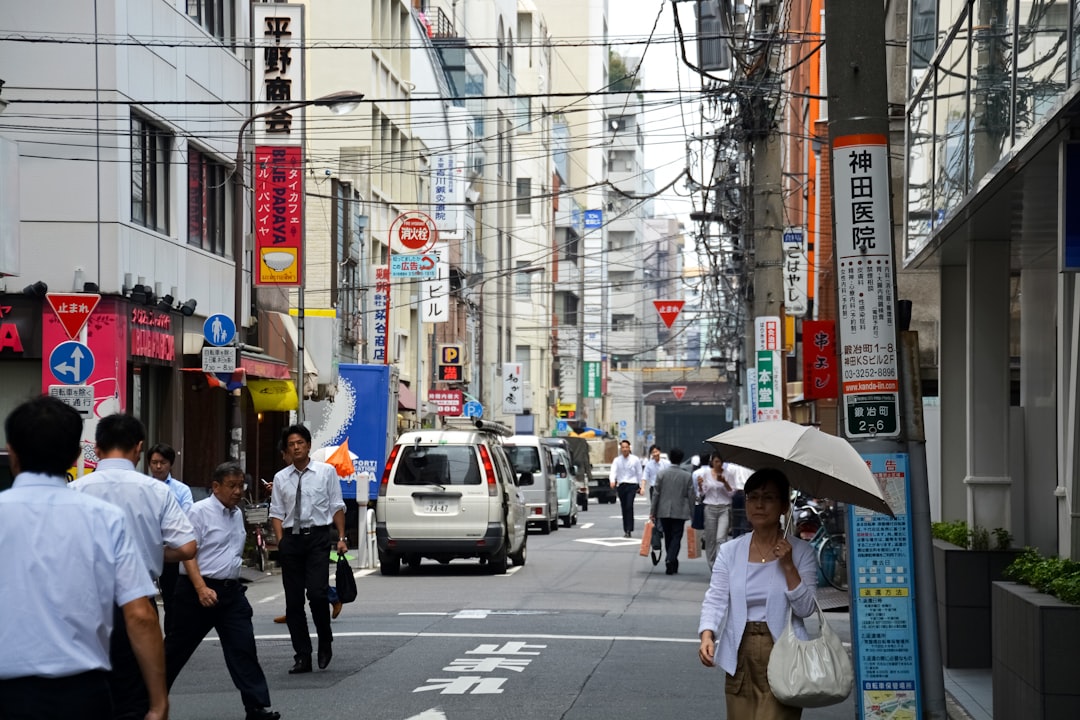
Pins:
x: 871, y: 414
x: 769, y: 405
x: 592, y: 379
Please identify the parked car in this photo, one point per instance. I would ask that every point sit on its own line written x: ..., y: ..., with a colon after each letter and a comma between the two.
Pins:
x: 565, y: 488
x: 581, y: 468
x: 448, y: 494
x: 600, y: 487
x: 535, y: 469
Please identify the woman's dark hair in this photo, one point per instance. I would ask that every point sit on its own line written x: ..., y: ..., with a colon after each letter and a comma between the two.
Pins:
x: 766, y: 476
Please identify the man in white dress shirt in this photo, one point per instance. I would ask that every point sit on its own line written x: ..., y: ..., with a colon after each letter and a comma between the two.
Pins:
x: 161, y: 530
x: 209, y: 594
x: 68, y: 559
x: 626, y: 476
x: 302, y: 522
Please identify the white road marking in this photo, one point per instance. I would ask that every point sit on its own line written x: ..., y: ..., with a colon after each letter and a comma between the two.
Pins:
x: 431, y: 714
x: 494, y: 636
x: 270, y: 598
x: 586, y: 526
x: 610, y: 542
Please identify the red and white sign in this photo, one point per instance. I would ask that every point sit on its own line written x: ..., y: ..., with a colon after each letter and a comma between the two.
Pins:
x: 669, y: 309
x: 73, y: 309
x: 279, y: 215
x: 413, y: 233
x: 819, y: 359
x: 448, y: 402
x: 678, y: 391
x: 767, y: 333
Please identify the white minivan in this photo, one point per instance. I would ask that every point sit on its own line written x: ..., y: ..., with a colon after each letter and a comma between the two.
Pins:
x: 449, y: 494
x: 535, y: 469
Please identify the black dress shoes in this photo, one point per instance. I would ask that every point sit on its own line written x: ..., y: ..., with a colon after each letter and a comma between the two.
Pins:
x: 261, y: 713
x: 302, y: 665
x: 325, y: 653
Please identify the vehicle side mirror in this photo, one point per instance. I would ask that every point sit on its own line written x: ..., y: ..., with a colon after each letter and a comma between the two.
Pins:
x: 526, y: 478
x: 560, y: 469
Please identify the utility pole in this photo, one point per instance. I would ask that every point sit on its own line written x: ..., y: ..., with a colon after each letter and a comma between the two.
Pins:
x: 873, y: 388
x: 766, y: 212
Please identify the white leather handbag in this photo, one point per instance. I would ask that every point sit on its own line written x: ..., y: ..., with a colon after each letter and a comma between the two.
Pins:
x: 810, y: 673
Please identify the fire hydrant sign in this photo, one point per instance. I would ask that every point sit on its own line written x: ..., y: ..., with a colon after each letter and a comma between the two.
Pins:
x: 864, y: 257
x: 413, y: 233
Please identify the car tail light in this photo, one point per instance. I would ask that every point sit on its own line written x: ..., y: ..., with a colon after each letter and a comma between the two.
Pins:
x: 489, y: 471
x: 386, y: 470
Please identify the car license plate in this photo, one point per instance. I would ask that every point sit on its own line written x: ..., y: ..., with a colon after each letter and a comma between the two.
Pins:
x: 436, y: 507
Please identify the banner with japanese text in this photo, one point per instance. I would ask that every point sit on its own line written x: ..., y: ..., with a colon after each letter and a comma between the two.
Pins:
x: 819, y: 359
x: 279, y: 215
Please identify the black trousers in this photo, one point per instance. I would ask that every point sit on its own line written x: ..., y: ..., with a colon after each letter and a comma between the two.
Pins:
x: 231, y: 617
x: 170, y: 571
x: 673, y: 532
x: 130, y: 699
x: 627, y: 492
x: 305, y: 561
x: 85, y: 695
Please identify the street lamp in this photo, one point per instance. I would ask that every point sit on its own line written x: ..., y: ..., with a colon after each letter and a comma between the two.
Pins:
x: 339, y: 103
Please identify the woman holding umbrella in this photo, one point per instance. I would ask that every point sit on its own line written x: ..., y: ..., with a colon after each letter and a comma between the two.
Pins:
x: 756, y: 578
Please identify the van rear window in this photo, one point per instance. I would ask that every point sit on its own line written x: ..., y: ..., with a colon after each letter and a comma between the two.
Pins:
x: 523, y: 458
x: 441, y: 465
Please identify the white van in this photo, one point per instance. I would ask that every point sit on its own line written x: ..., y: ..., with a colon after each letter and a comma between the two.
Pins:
x: 449, y: 494
x: 535, y: 470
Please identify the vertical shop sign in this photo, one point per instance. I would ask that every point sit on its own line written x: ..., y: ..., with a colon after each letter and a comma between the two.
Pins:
x: 444, y: 192
x: 768, y: 386
x: 796, y: 275
x: 278, y: 71
x: 885, y: 643
x: 819, y: 359
x: 513, y: 387
x: 381, y: 314
x: 867, y: 333
x: 279, y: 215
x: 592, y: 379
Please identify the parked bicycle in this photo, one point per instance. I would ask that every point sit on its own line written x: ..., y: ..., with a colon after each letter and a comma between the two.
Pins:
x: 821, y: 526
x: 257, y: 516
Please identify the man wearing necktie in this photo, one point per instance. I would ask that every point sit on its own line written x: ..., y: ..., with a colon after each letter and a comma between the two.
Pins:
x: 304, y: 504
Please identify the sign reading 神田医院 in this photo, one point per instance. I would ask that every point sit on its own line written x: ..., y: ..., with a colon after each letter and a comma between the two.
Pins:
x: 867, y: 315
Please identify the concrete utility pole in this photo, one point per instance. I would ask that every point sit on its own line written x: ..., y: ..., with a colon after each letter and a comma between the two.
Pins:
x: 766, y: 217
x: 862, y: 231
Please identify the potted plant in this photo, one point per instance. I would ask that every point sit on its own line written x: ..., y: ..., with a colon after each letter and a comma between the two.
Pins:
x: 966, y: 562
x: 1036, y: 630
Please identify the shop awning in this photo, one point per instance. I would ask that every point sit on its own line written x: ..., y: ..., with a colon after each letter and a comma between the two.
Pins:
x: 284, y: 326
x: 406, y: 398
x: 273, y: 395
x: 263, y: 366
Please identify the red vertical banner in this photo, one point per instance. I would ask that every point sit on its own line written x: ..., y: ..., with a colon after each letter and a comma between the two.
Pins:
x: 279, y: 215
x: 820, y: 362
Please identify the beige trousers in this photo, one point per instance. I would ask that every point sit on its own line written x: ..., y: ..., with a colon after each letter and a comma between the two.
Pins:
x: 747, y: 691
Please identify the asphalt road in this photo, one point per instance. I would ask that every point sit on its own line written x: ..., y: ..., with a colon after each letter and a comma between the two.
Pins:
x: 587, y: 629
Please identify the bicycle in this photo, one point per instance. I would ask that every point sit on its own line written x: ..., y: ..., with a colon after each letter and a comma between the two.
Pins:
x: 828, y: 541
x: 258, y: 516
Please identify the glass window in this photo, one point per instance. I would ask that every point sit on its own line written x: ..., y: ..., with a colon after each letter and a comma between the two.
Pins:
x: 437, y: 465
x: 524, y: 196
x: 1041, y: 52
x: 216, y: 16
x: 150, y: 149
x: 525, y: 459
x: 208, y: 204
x: 919, y: 176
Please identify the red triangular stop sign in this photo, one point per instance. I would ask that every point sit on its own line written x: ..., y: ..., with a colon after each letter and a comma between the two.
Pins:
x: 668, y: 309
x: 73, y: 309
x: 678, y: 391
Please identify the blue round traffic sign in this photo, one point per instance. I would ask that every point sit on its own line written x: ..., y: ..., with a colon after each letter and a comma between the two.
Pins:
x: 71, y: 362
x: 473, y: 409
x: 219, y: 329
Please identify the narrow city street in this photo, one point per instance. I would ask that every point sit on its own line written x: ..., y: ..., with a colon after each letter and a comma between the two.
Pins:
x: 586, y: 629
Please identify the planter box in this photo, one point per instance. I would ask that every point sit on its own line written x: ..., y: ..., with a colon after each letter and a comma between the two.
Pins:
x: 1035, y: 642
x: 963, y: 579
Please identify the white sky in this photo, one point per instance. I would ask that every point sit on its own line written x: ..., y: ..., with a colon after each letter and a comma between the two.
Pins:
x: 665, y: 127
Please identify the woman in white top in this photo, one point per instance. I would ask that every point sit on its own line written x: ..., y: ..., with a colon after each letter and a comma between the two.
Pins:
x: 756, y: 578
x: 714, y: 489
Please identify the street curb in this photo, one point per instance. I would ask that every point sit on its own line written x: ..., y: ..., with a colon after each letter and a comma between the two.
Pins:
x: 954, y: 710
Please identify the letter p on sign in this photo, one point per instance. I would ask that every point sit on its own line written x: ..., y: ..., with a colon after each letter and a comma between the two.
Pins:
x: 450, y: 354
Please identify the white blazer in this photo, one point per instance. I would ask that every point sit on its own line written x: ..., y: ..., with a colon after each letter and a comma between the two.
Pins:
x: 724, y: 608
